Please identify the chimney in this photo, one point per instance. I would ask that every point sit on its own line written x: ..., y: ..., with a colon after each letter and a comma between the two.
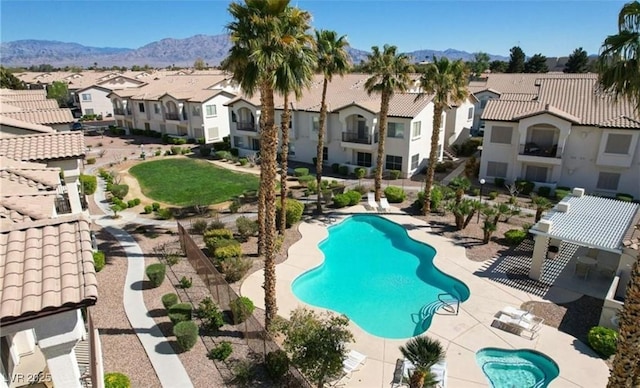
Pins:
x: 544, y: 226
x: 563, y: 207
x: 578, y: 192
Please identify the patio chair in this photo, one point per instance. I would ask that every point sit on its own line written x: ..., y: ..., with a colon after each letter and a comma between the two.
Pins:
x: 527, y: 324
x: 384, y: 205
x: 371, y: 201
x: 439, y: 370
x: 351, y: 364
x: 399, y: 379
x: 582, y: 269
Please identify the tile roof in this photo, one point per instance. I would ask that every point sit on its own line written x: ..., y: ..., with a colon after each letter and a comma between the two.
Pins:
x: 51, y: 116
x: 11, y: 122
x: 45, y: 266
x: 593, y: 221
x: 22, y: 208
x: 183, y: 87
x: 518, y: 82
x: 49, y: 103
x: 57, y: 145
x: 24, y: 95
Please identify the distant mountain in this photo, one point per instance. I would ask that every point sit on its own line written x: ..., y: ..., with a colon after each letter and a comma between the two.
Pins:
x: 165, y: 52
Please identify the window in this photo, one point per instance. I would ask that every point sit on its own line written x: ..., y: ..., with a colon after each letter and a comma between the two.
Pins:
x: 211, y: 110
x: 470, y: 114
x: 156, y: 109
x: 182, y: 130
x: 608, y: 180
x: 497, y: 169
x: 617, y: 144
x: 86, y: 96
x: 315, y: 124
x: 237, y: 142
x: 195, y: 111
x: 395, y: 130
x: 536, y: 174
x: 213, y: 133
x: 416, y: 130
x: 415, y: 160
x: 88, y: 111
x: 325, y: 153
x: 501, y: 135
x: 147, y: 127
x: 163, y: 128
x: 393, y: 163
x: 141, y: 107
x: 364, y: 159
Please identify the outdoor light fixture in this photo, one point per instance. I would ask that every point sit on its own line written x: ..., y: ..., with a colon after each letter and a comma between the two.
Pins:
x: 482, y: 182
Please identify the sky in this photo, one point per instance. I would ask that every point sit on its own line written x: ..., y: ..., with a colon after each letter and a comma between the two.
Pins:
x: 549, y: 27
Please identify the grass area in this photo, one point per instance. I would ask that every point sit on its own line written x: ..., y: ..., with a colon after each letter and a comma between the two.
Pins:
x: 185, y: 182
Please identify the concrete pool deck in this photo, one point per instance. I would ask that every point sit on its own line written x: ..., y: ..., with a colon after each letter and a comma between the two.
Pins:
x: 461, y: 335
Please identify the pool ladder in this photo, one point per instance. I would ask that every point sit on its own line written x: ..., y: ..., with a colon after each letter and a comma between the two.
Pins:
x: 449, y: 302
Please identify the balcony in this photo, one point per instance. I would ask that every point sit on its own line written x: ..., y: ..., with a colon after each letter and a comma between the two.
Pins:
x: 118, y: 111
x: 248, y: 126
x: 172, y: 116
x: 532, y: 152
x: 358, y: 140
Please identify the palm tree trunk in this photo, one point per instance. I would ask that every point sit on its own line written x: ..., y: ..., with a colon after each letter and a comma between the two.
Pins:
x: 320, y: 149
x: 433, y: 158
x: 382, y: 135
x: 268, y: 152
x: 284, y: 158
x: 626, y: 364
x: 417, y: 379
x: 262, y: 185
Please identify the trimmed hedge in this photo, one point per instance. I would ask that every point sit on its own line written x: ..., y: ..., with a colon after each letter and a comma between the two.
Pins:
x: 515, y: 236
x: 394, y: 174
x: 340, y: 200
x: 98, y: 260
x: 228, y: 251
x: 624, y: 197
x: 241, y: 309
x: 603, y: 340
x: 301, y: 171
x: 156, y: 273
x: 353, y: 196
x: 119, y: 191
x: 305, y: 180
x: 343, y: 170
x: 219, y: 233
x: 394, y: 194
x: 169, y: 300
x: 293, y: 212
x: 544, y: 191
x: 179, y: 312
x: 186, y: 333
x: 116, y: 380
x: 89, y: 183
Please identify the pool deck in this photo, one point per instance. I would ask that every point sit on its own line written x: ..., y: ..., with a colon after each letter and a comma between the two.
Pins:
x: 461, y: 335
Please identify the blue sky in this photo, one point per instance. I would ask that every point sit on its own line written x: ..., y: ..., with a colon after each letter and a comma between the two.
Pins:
x: 550, y: 27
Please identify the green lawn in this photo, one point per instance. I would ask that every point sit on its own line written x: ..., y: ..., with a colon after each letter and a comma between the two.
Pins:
x: 185, y: 182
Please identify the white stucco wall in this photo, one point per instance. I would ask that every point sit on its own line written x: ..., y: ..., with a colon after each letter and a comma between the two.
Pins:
x: 458, y: 124
x: 99, y: 102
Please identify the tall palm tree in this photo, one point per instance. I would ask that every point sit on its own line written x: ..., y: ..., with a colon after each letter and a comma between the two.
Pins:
x: 389, y: 74
x: 423, y: 352
x: 447, y: 81
x: 332, y: 60
x: 619, y: 59
x: 260, y: 44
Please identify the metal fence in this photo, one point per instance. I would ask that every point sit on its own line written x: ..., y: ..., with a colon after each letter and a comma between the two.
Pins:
x: 257, y: 338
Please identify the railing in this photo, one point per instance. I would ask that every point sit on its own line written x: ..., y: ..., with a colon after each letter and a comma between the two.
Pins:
x: 530, y: 149
x: 448, y: 306
x: 63, y: 205
x: 172, y: 116
x: 355, y: 137
x: 118, y: 111
x: 246, y: 126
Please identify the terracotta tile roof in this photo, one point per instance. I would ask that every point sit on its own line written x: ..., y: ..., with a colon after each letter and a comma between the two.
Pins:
x: 21, y: 208
x: 8, y: 106
x: 23, y: 95
x: 36, y: 105
x: 518, y: 96
x: 51, y: 116
x: 15, y: 174
x: 11, y: 122
x: 183, y: 87
x: 518, y: 82
x: 57, y: 145
x: 45, y: 266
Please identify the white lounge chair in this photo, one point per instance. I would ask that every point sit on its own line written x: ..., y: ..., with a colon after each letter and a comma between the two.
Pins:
x: 371, y: 201
x: 384, y: 205
x: 519, y: 321
x: 439, y: 370
x: 352, y: 363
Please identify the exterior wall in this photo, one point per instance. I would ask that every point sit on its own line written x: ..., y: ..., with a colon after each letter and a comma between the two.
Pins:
x: 99, y: 103
x: 458, y: 124
x: 220, y: 120
x: 503, y: 153
x: 245, y: 135
x: 481, y: 96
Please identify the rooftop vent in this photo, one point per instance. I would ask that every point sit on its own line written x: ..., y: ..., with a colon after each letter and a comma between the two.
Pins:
x: 578, y: 192
x: 563, y: 207
x: 543, y: 226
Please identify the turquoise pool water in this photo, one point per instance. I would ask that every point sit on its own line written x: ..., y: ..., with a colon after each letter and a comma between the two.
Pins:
x: 379, y: 277
x: 522, y: 368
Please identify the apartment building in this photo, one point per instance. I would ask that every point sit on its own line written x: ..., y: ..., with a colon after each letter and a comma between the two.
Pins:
x: 352, y: 126
x: 33, y: 106
x: 563, y: 134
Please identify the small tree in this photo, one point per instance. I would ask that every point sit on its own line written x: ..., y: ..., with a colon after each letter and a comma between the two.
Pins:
x: 536, y: 64
x: 116, y: 208
x: 423, y: 352
x: 578, y: 62
x: 316, y: 343
x: 516, y: 60
x: 199, y: 64
x: 360, y: 172
x: 59, y: 91
x: 541, y: 204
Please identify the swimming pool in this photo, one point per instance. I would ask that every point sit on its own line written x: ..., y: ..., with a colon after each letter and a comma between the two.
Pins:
x: 379, y: 277
x: 521, y: 368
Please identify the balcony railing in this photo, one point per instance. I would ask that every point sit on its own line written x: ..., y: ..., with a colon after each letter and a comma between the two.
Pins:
x: 118, y: 111
x: 63, y: 205
x: 355, y: 137
x: 246, y: 126
x: 172, y: 116
x: 532, y: 149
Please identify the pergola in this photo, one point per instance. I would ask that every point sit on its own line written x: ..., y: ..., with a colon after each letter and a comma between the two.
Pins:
x: 594, y: 222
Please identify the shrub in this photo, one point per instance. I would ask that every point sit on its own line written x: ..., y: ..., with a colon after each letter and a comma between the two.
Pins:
x: 394, y: 194
x: 234, y: 268
x: 221, y: 233
x: 469, y: 147
x: 186, y: 334
x: 277, y: 364
x: 354, y: 197
x: 164, y: 214
x: 169, y: 300
x: 119, y: 191
x: 474, y: 192
x: 624, y: 197
x: 301, y: 171
x: 343, y: 170
x: 116, y: 380
x: 293, y: 212
x: 228, y: 251
x: 205, y: 151
x: 515, y: 236
x: 155, y: 206
x: 341, y: 200
x: 175, y: 150
x: 561, y: 193
x: 394, y: 174
x: 221, y: 352
x: 199, y: 226
x: 89, y: 183
x: 155, y: 273
x: 246, y: 227
x: 216, y: 224
x: 235, y: 205
x: 158, y: 153
x: 234, y: 152
x: 544, y: 191
x: 359, y: 172
x: 361, y: 189
x: 185, y: 283
x: 180, y: 312
x: 525, y: 187
x: 210, y: 314
x: 244, y: 372
x: 493, y: 195
x: 335, y: 168
x: 148, y: 209
x: 243, y: 161
x: 603, y: 340
x: 306, y: 180
x: 131, y: 203
x: 91, y: 160
x: 99, y: 260
x: 222, y: 155
x: 499, y: 182
x: 441, y: 167
x: 241, y: 309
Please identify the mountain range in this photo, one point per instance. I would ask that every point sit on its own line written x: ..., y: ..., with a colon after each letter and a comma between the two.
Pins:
x: 166, y: 52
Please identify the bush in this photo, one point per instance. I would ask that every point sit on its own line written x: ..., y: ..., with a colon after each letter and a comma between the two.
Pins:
x: 243, y: 161
x: 624, y: 197
x: 394, y: 174
x: 116, y: 380
x: 246, y: 227
x: 155, y: 273
x: 301, y: 171
x: 560, y: 193
x: 186, y: 334
x: 119, y: 191
x: 91, y: 160
x: 492, y: 195
x: 515, y: 236
x: 164, y: 214
x: 222, y: 155
x: 210, y: 314
x: 525, y: 187
x: 221, y: 233
x: 89, y: 183
x: 199, y: 226
x: 221, y: 352
x: 343, y: 170
x: 440, y: 167
x: 131, y: 203
x: 335, y: 168
x: 544, y: 191
x: 394, y: 194
x: 216, y: 224
x: 469, y: 147
x: 234, y: 268
x: 175, y: 150
x: 169, y: 300
x: 499, y: 182
x: 155, y: 206
x: 361, y: 189
x: 185, y: 283
x: 148, y: 209
x: 354, y: 197
x: 179, y: 312
x: 205, y: 151
x: 340, y: 200
x: 98, y: 260
x: 306, y: 180
x: 277, y: 364
x: 603, y: 340
x: 234, y: 249
x: 241, y: 309
x: 293, y: 212
x: 234, y: 152
x: 235, y: 205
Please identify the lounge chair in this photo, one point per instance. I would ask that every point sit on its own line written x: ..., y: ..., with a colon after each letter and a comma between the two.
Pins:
x: 384, y: 205
x: 399, y: 379
x: 519, y: 322
x: 352, y: 363
x: 371, y: 201
x: 439, y: 370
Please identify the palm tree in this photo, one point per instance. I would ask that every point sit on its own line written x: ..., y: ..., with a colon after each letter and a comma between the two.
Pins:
x: 261, y: 42
x: 423, y: 352
x: 541, y: 204
x: 447, y: 82
x: 619, y: 59
x: 389, y: 74
x: 332, y: 60
x: 459, y: 185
